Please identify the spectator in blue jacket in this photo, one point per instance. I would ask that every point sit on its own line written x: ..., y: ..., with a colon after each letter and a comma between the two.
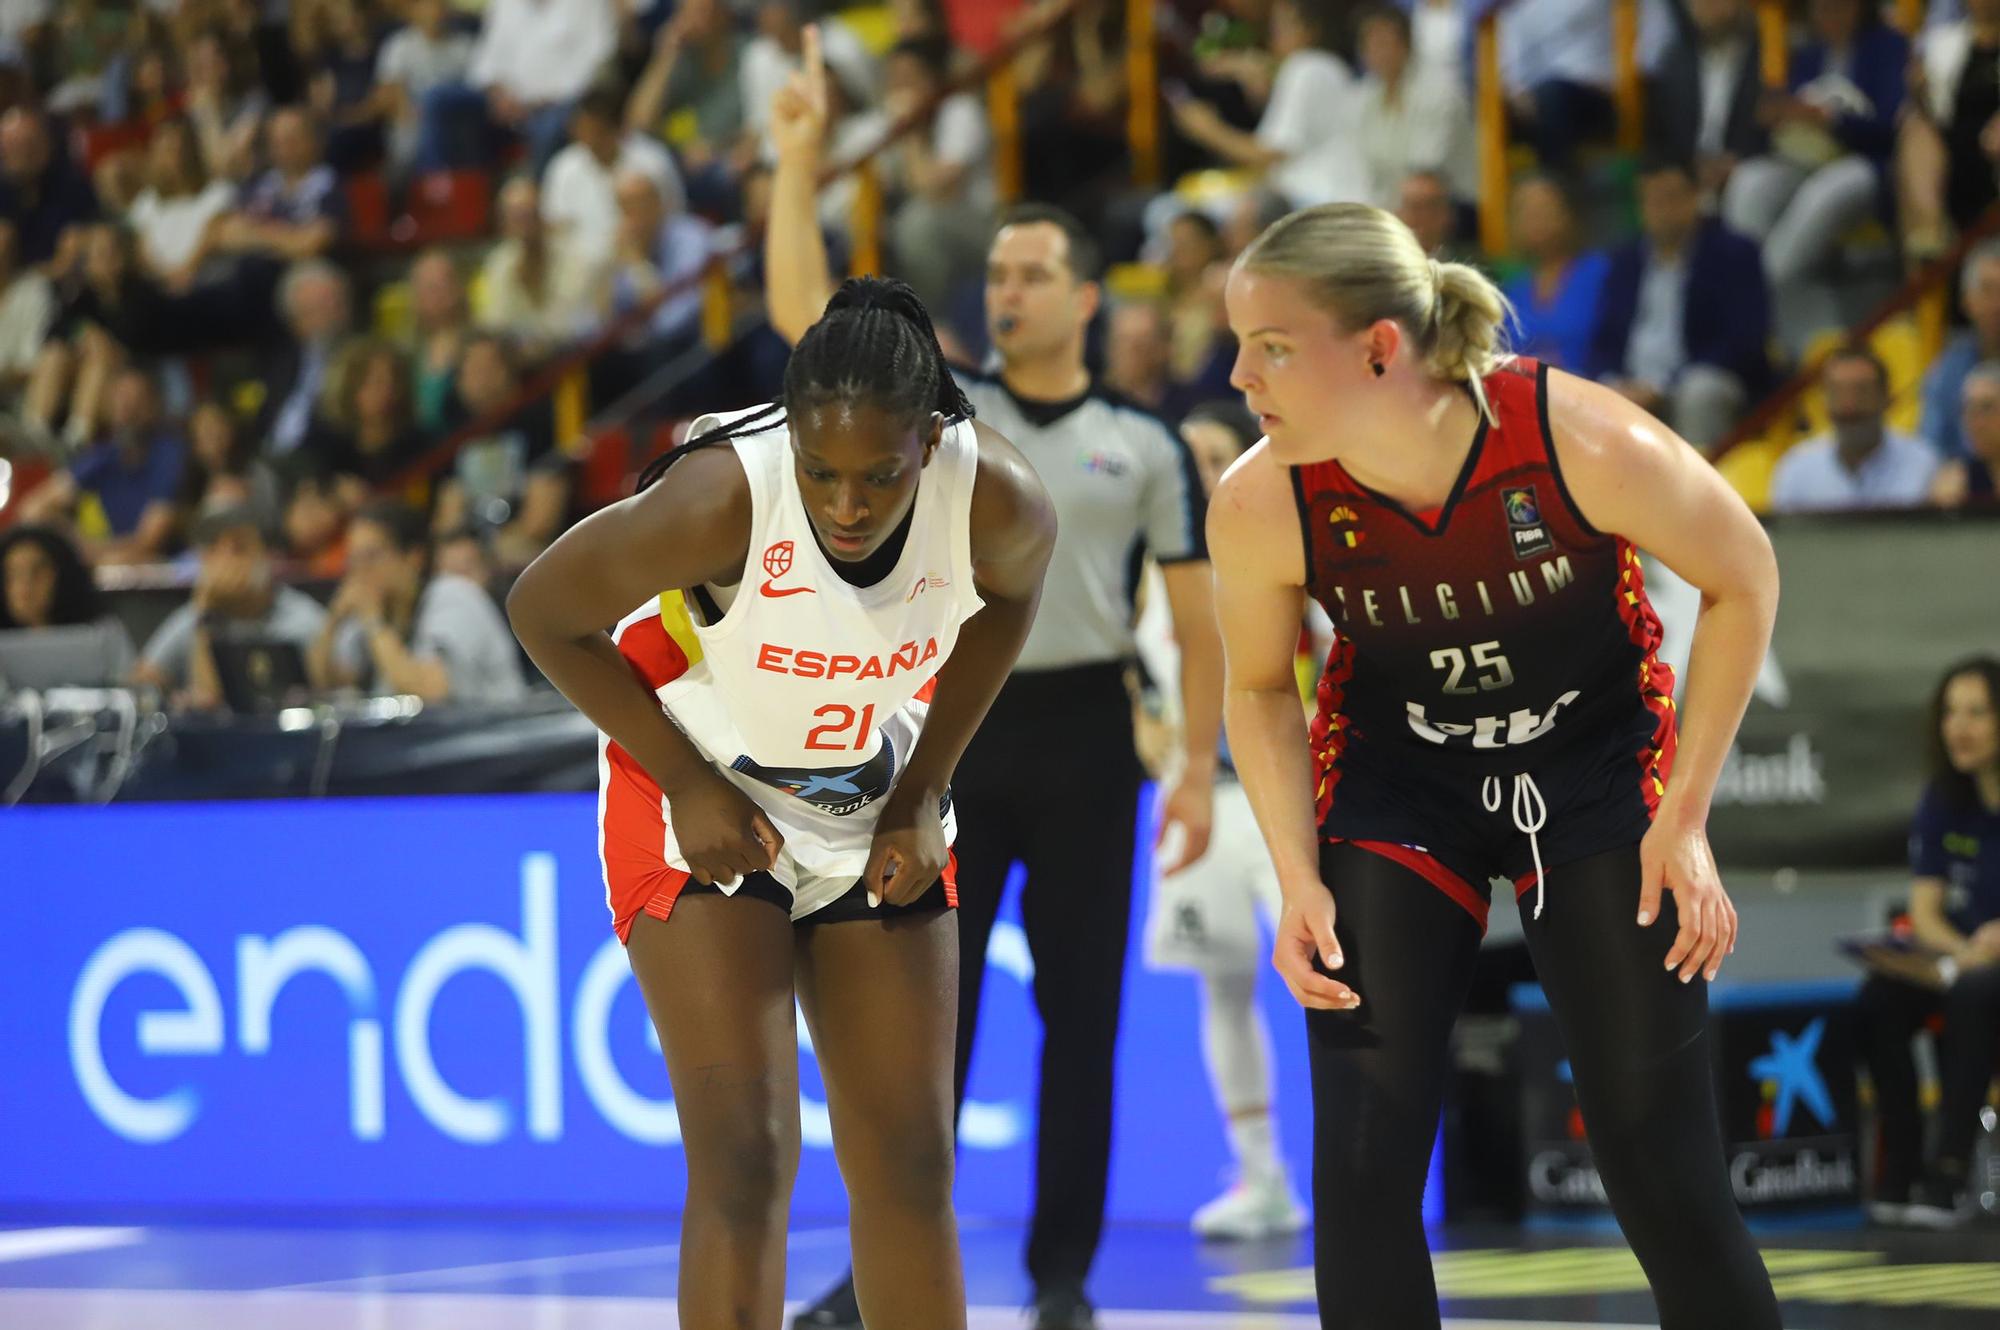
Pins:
x: 1686, y: 313
x: 1832, y: 132
x: 1944, y: 383
x: 1558, y: 296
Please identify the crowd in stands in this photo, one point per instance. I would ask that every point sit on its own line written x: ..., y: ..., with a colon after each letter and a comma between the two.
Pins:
x: 262, y: 259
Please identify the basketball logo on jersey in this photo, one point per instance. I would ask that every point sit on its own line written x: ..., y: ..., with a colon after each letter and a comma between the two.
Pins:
x: 778, y: 562
x: 1529, y: 534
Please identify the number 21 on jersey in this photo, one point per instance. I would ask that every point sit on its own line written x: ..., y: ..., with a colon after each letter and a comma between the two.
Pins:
x: 840, y: 719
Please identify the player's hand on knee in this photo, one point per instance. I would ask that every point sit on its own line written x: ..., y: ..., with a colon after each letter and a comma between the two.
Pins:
x: 722, y: 833
x: 1305, y: 936
x: 1678, y: 859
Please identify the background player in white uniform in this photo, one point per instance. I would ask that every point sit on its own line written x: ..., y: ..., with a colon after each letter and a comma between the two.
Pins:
x: 1203, y: 917
x: 778, y: 751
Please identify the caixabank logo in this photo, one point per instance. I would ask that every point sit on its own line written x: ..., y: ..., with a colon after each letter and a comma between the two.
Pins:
x: 1801, y: 1144
x: 1785, y: 1088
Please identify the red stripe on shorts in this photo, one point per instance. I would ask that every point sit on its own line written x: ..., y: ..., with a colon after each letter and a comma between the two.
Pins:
x: 1427, y: 867
x: 633, y: 836
x: 633, y: 839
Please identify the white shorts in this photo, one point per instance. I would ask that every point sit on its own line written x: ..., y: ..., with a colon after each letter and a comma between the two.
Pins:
x: 1205, y: 916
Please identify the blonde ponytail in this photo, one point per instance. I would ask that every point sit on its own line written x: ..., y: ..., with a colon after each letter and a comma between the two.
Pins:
x: 1361, y: 264
x: 1470, y: 313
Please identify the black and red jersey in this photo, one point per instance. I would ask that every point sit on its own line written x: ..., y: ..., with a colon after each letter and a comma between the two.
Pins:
x: 1497, y: 634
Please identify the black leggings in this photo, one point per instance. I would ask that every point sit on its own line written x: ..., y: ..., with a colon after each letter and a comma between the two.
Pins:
x: 1638, y: 1043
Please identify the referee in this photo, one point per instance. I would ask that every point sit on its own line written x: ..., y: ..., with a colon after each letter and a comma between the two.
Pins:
x: 1051, y: 779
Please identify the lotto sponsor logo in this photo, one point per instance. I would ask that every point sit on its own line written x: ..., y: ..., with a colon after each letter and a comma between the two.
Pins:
x: 836, y: 665
x: 1520, y: 726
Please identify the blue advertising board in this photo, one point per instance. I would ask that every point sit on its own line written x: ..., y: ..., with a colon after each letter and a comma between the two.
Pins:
x: 419, y: 1003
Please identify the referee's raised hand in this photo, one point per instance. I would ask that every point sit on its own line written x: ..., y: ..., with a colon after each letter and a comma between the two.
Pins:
x: 798, y: 112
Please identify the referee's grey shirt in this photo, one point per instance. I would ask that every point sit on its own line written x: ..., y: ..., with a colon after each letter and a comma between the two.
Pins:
x: 1124, y: 485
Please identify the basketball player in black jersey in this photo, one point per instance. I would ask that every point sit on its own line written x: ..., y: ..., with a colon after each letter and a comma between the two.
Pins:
x: 1494, y: 708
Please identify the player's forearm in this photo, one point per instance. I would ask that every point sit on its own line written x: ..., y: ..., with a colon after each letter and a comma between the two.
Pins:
x: 1730, y: 638
x: 797, y: 278
x: 1269, y: 744
x: 403, y: 672
x: 1201, y: 702
x: 988, y: 645
x: 596, y: 679
x: 1929, y: 923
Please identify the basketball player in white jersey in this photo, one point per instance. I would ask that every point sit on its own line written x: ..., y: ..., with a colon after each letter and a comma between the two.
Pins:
x: 849, y: 576
x: 1202, y: 917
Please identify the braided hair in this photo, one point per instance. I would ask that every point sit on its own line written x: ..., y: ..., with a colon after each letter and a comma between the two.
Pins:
x: 874, y: 344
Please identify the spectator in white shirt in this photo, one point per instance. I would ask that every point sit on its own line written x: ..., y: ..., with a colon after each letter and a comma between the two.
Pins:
x: 1411, y: 113
x: 534, y: 58
x: 27, y: 308
x: 1859, y: 462
x: 394, y: 628
x: 421, y: 78
x: 537, y: 285
x: 1556, y: 64
x: 1299, y: 144
x: 24, y: 24
x: 173, y: 216
x: 579, y: 189
x: 940, y: 176
x: 658, y: 246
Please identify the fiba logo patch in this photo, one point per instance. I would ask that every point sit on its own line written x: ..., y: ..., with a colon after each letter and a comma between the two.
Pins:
x: 1525, y: 528
x: 778, y: 562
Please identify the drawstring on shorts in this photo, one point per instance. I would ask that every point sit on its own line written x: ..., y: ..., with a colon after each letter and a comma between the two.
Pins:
x: 1530, y: 814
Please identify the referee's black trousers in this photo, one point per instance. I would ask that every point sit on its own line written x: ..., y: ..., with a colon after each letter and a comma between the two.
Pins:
x: 1051, y: 781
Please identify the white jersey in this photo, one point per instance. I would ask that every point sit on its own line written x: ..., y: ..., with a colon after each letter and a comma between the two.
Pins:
x: 809, y: 693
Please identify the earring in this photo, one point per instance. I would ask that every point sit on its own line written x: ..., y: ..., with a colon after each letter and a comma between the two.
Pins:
x: 1376, y: 365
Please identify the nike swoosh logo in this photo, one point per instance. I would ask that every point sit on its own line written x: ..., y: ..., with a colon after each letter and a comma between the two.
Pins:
x: 775, y: 592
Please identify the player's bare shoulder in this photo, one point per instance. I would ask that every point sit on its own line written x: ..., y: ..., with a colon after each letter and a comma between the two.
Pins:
x: 1617, y: 459
x: 702, y: 502
x: 1253, y: 524
x: 1013, y: 518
